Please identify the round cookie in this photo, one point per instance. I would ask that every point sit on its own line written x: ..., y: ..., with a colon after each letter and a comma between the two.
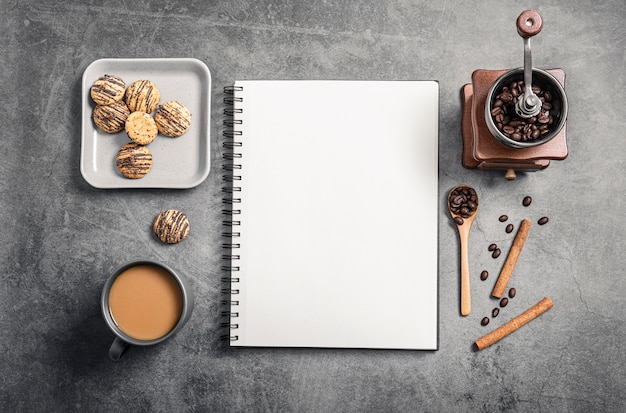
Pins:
x: 141, y: 128
x: 111, y: 118
x: 171, y: 226
x: 172, y: 118
x: 108, y: 89
x: 134, y: 161
x: 142, y: 96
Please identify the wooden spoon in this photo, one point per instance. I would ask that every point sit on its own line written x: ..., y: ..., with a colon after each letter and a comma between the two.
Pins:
x: 463, y: 206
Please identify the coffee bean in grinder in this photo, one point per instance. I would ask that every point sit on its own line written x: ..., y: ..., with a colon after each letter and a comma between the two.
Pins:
x: 509, y: 126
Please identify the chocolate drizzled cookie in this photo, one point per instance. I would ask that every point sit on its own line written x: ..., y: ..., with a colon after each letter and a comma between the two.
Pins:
x: 108, y: 89
x: 171, y: 226
x: 172, y: 118
x: 134, y: 161
x: 142, y: 96
x: 111, y: 118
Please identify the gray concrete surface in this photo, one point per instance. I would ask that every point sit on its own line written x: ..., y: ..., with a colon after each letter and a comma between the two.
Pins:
x: 62, y: 237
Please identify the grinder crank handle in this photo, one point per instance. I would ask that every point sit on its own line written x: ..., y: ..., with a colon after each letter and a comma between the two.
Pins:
x: 529, y: 23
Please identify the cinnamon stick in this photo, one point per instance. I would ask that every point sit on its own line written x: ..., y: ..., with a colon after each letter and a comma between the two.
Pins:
x: 511, y: 259
x: 513, y: 325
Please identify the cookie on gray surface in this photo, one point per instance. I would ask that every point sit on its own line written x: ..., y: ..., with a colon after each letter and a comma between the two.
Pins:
x: 142, y: 96
x: 133, y: 160
x: 172, y: 118
x: 108, y: 89
x: 171, y: 226
x: 111, y: 118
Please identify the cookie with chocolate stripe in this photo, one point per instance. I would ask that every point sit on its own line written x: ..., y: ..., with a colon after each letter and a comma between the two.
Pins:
x: 171, y: 226
x: 108, y: 89
x: 172, y: 118
x: 134, y: 161
x: 142, y: 96
x: 111, y: 118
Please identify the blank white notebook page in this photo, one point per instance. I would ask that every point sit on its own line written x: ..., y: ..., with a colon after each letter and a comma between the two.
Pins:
x: 339, y: 201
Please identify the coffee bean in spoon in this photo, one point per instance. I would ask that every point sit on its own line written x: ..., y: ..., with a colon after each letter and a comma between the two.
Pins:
x: 463, y: 201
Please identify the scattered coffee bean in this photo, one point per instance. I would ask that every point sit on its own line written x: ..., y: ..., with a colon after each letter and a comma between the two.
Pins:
x: 509, y: 228
x: 463, y: 201
x: 504, y: 302
x: 503, y: 218
x: 495, y: 312
x: 496, y: 253
x: 484, y: 275
x: 458, y: 220
x: 484, y: 321
x: 512, y: 292
x: 543, y: 220
x: 492, y: 247
x: 527, y: 201
x: 519, y: 129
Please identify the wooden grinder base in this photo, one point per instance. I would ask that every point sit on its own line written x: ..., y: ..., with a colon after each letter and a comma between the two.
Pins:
x: 482, y: 151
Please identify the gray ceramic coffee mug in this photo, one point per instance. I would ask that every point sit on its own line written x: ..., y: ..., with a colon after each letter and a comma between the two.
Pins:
x: 123, y: 341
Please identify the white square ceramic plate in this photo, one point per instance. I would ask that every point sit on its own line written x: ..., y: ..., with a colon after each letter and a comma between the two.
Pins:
x: 182, y: 162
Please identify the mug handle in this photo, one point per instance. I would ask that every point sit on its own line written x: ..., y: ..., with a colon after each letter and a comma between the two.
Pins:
x: 118, y: 348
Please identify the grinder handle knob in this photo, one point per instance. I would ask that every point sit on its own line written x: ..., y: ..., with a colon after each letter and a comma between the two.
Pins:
x: 529, y: 23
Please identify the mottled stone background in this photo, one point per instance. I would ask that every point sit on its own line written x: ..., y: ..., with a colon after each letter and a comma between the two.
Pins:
x: 61, y: 238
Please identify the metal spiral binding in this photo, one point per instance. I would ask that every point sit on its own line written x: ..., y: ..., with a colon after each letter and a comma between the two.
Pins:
x: 231, y: 200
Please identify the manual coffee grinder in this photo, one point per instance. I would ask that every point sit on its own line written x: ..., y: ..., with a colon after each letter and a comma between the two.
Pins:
x: 508, y: 126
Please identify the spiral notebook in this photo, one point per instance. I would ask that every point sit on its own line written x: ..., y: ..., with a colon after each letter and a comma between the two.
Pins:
x: 333, y: 200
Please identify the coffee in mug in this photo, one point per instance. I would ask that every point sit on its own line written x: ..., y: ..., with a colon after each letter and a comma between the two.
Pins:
x: 144, y: 303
